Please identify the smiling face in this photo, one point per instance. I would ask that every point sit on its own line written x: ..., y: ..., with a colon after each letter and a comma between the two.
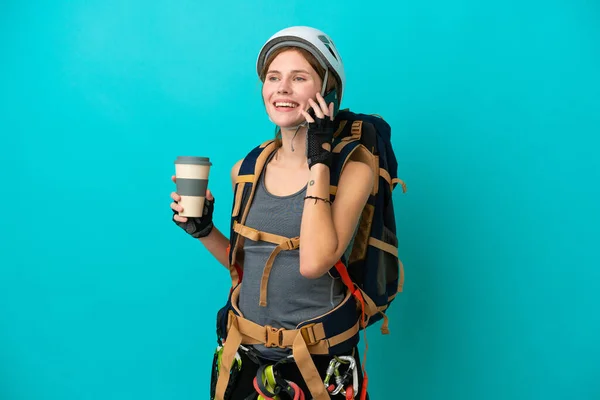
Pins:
x: 289, y: 82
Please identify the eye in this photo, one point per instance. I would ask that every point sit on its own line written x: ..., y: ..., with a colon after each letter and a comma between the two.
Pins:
x: 272, y: 78
x: 299, y: 78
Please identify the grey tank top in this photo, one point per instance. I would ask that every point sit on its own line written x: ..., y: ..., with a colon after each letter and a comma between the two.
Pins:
x: 291, y: 298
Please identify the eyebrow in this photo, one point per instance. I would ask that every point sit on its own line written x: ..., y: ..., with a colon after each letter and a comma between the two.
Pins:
x: 273, y: 71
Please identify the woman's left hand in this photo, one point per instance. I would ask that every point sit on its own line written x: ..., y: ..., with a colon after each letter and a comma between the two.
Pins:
x: 320, y: 132
x: 320, y: 109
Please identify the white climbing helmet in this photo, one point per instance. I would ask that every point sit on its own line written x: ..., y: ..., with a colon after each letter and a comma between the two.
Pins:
x: 318, y: 43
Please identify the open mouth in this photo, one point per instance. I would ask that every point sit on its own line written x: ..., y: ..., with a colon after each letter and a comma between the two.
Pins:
x: 285, y: 104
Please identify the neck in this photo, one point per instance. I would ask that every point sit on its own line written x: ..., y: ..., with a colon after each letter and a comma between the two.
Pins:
x: 295, y: 139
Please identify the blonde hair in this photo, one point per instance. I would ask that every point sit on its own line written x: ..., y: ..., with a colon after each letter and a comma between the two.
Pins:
x: 331, y: 84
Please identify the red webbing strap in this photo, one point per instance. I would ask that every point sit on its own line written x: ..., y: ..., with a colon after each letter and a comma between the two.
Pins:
x: 343, y: 271
x: 239, y: 270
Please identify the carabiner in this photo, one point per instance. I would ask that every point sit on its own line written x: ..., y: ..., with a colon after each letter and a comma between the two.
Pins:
x: 330, y: 371
x: 341, y: 380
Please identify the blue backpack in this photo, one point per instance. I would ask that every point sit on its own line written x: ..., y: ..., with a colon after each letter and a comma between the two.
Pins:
x: 372, y: 258
x: 370, y: 267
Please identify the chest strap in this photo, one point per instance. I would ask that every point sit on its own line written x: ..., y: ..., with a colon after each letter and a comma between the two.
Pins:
x: 282, y: 242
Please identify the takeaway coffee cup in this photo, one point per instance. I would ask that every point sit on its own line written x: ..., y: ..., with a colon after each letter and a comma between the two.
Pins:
x: 191, y: 183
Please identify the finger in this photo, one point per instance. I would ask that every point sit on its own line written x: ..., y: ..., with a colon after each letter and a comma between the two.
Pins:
x: 179, y: 218
x: 173, y: 178
x: 175, y: 196
x: 209, y: 195
x: 331, y: 111
x: 176, y: 207
x: 307, y: 116
x: 316, y: 108
x: 323, y: 104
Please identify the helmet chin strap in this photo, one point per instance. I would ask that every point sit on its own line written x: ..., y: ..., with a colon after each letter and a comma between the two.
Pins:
x: 295, y: 133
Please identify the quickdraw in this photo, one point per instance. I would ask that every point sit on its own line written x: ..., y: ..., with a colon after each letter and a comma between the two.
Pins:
x: 342, y: 380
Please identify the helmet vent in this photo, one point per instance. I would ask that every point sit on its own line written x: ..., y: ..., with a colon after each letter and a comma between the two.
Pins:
x: 328, y: 44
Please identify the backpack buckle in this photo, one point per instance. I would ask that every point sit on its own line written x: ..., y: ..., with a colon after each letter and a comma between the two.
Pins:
x: 274, y: 337
x: 308, y: 334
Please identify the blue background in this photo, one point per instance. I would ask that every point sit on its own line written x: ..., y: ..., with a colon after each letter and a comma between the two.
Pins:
x: 496, y: 118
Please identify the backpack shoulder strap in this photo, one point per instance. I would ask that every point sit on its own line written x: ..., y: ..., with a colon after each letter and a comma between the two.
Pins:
x: 349, y: 142
x: 245, y: 184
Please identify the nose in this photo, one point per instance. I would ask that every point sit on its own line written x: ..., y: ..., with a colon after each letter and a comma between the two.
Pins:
x: 284, y: 87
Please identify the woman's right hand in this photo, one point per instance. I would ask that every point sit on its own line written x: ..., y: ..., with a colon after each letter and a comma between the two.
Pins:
x: 197, y: 227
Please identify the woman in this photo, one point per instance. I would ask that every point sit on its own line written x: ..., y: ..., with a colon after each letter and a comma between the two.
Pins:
x: 299, y: 67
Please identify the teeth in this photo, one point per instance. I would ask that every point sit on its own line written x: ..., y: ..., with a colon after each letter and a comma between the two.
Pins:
x: 282, y: 104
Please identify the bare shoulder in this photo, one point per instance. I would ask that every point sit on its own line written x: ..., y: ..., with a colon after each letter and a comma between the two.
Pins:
x: 354, y: 187
x: 355, y: 184
x: 357, y: 172
x: 357, y: 166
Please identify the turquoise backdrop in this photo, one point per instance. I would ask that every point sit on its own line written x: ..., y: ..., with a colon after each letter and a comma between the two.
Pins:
x: 496, y: 117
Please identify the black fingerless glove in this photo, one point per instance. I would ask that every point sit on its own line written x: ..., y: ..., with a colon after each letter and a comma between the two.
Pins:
x: 319, y: 133
x: 199, y: 227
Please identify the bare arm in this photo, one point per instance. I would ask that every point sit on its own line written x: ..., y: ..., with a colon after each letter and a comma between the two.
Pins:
x: 326, y: 229
x: 216, y: 243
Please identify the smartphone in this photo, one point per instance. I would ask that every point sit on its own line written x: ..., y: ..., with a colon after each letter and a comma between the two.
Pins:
x: 331, y: 97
